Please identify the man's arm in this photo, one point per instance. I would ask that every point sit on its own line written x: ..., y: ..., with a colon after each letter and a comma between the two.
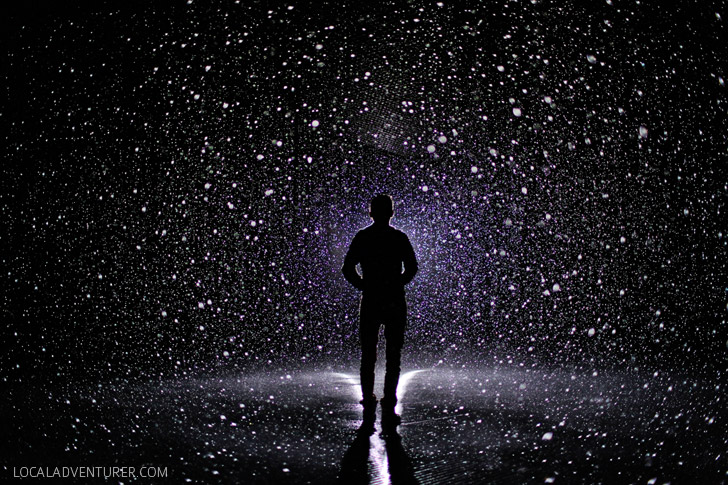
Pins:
x: 410, y: 262
x: 349, y: 269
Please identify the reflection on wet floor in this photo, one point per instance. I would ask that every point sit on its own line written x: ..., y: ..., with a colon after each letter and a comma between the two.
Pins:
x: 459, y: 425
x: 377, y: 458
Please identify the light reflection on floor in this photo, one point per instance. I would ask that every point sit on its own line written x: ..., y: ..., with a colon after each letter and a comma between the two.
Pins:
x: 507, y: 424
x: 378, y: 458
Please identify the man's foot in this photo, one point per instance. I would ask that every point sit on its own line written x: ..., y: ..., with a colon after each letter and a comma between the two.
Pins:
x: 389, y: 417
x: 367, y: 425
x: 369, y: 402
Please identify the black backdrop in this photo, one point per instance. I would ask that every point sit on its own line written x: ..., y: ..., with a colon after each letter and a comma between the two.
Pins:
x: 182, y: 180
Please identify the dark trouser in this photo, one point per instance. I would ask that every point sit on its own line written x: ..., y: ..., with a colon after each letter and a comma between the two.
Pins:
x: 392, y: 313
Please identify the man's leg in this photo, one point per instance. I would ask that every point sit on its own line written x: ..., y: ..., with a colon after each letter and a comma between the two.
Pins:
x: 394, y: 335
x: 368, y: 336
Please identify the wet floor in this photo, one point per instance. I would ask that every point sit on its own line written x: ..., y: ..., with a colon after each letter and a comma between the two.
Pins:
x: 506, y: 424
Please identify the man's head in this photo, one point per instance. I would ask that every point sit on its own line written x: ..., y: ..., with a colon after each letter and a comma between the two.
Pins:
x: 381, y: 208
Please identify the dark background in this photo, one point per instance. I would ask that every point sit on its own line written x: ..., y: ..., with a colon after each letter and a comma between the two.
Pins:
x: 144, y: 139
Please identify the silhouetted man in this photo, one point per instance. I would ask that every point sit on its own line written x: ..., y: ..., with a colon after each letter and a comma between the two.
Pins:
x: 381, y: 251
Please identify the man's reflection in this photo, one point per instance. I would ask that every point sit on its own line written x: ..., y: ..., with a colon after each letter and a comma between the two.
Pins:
x: 363, y: 463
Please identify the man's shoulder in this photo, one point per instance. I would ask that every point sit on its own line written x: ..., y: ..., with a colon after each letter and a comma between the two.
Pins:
x: 400, y: 234
x: 372, y: 229
x: 361, y: 233
x: 361, y: 236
